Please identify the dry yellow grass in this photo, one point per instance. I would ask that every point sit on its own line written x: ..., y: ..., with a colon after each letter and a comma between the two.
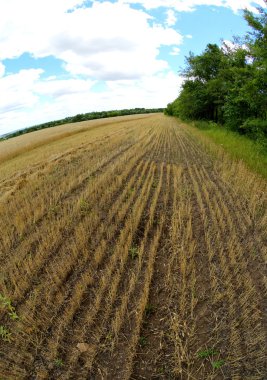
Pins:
x: 130, y: 248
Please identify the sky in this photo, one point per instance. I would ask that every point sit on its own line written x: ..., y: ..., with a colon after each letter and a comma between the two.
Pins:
x: 59, y: 58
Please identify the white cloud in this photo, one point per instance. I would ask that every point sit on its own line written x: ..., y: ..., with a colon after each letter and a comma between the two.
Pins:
x: 2, y: 69
x: 56, y: 88
x: 151, y: 91
x: 190, y: 5
x: 112, y: 41
x: 171, y: 18
x: 232, y: 46
x: 25, y: 90
x: 229, y: 45
x: 175, y: 51
x: 105, y: 41
x: 26, y: 26
x: 17, y: 90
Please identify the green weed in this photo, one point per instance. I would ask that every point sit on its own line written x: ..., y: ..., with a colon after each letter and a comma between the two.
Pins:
x: 217, y: 364
x: 59, y: 362
x: 54, y: 209
x: 133, y: 251
x: 142, y: 341
x: 13, y: 315
x: 207, y: 353
x: 5, y: 334
x: 84, y: 206
x: 6, y: 304
x: 149, y: 310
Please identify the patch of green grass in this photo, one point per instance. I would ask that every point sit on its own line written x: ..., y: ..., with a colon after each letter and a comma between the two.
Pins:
x: 5, y: 334
x: 207, y: 353
x: 133, y: 251
x: 109, y: 337
x: 155, y: 183
x: 218, y: 364
x: 84, y: 206
x: 130, y: 192
x: 5, y: 303
x: 252, y: 153
x: 54, y: 209
x: 161, y: 370
x: 13, y: 315
x: 142, y: 341
x: 149, y: 310
x: 59, y: 362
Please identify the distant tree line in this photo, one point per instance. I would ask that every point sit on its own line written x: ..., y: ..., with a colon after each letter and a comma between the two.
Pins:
x: 228, y: 85
x: 82, y: 117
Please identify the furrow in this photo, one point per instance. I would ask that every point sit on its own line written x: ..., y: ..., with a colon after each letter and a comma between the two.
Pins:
x: 154, y: 348
x: 39, y: 257
x: 125, y: 348
x: 32, y: 217
x: 109, y: 279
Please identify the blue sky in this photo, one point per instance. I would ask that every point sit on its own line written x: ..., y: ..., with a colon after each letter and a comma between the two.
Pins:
x: 59, y: 58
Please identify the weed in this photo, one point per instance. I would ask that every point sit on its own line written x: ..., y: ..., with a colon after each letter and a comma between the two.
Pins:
x: 109, y: 336
x: 207, y: 353
x: 54, y: 209
x: 154, y: 184
x: 130, y: 192
x: 59, y: 362
x: 142, y: 341
x: 93, y: 175
x: 84, y: 205
x: 5, y: 334
x: 5, y: 302
x: 149, y: 310
x: 133, y: 251
x: 13, y: 315
x: 217, y: 364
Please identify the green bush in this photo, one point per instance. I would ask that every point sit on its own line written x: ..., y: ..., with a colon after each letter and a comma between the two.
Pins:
x: 204, y: 125
x: 256, y: 129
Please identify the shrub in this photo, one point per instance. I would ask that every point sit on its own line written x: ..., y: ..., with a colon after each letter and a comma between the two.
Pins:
x: 203, y: 124
x: 255, y: 128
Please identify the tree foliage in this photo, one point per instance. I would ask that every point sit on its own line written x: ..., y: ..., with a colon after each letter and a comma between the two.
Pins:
x: 228, y: 84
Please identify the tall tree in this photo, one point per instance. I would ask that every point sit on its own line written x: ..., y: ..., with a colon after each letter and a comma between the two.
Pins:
x: 229, y: 84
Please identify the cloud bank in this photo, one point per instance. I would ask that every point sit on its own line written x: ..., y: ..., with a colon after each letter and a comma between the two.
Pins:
x: 190, y: 5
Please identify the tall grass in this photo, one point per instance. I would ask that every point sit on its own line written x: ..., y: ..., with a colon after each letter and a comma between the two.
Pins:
x: 252, y: 153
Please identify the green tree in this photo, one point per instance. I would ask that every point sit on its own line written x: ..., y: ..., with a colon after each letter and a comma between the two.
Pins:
x: 229, y: 84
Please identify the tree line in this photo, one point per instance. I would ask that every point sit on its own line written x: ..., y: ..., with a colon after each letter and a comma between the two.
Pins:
x: 82, y: 117
x: 228, y: 84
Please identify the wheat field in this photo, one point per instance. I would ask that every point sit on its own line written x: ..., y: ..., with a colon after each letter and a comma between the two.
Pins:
x: 130, y: 248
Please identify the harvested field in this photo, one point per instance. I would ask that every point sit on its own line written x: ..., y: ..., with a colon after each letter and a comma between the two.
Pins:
x: 131, y: 249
